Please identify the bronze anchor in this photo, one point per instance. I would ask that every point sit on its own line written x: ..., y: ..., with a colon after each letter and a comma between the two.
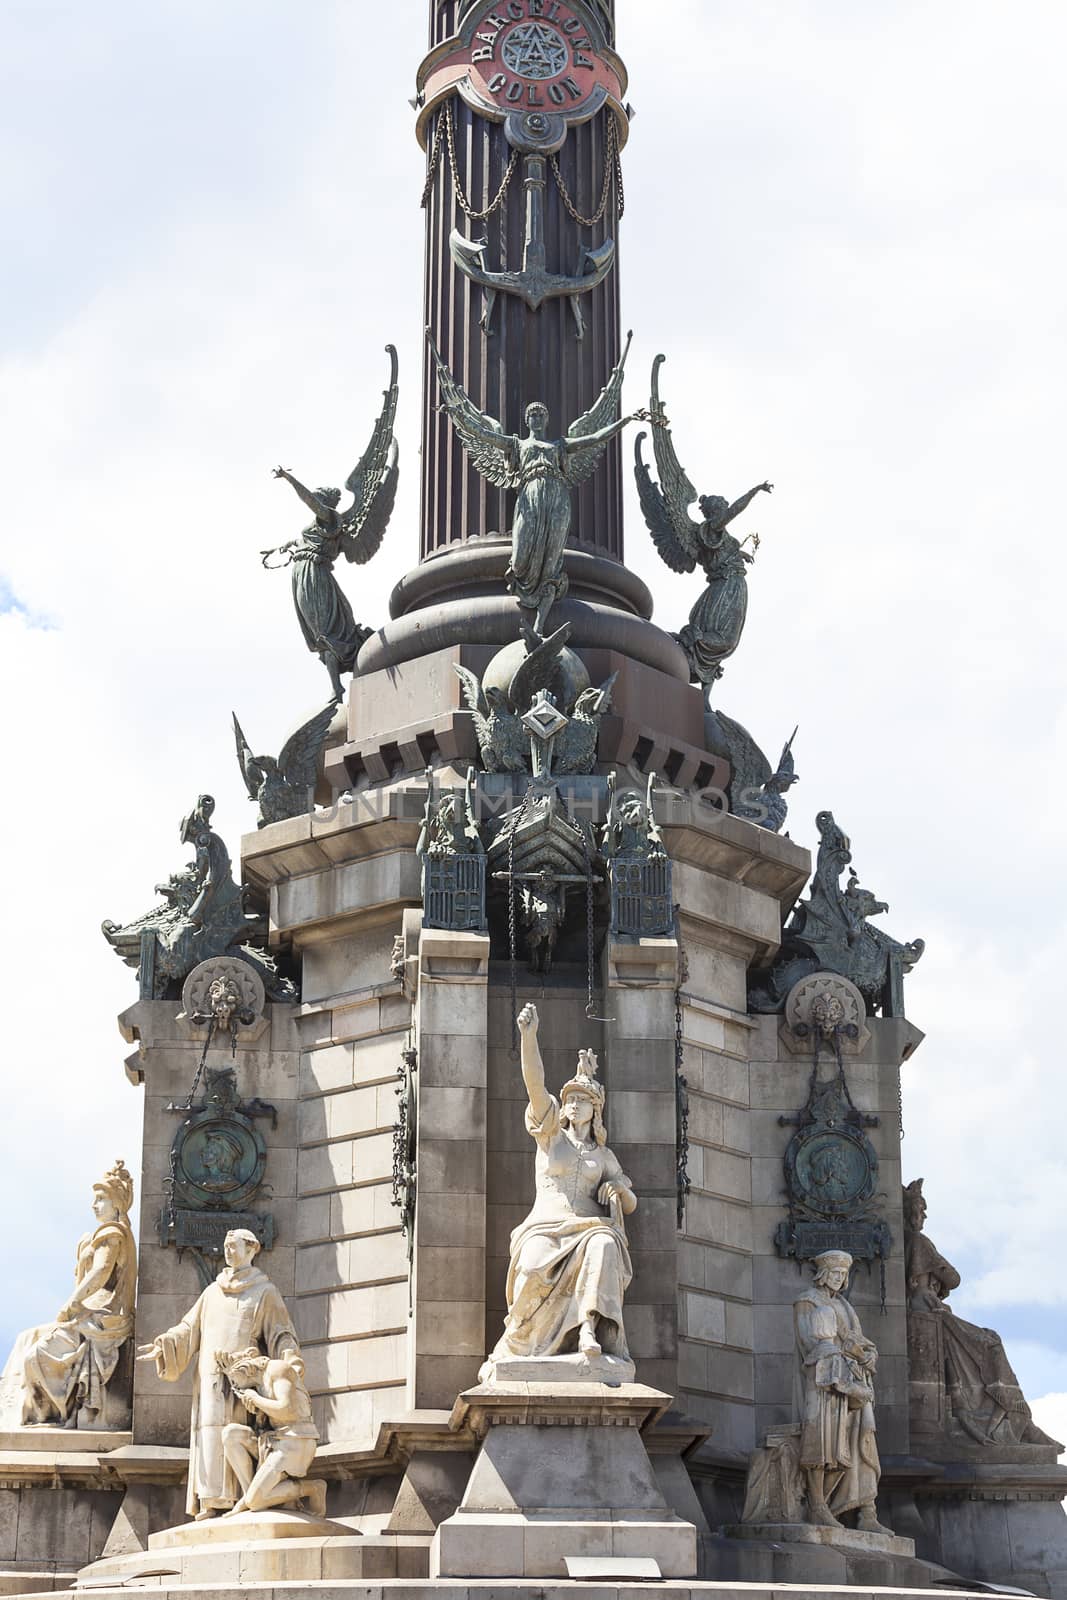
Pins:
x: 534, y: 283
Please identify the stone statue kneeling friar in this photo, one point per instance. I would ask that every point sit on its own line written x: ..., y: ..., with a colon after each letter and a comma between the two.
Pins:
x: 825, y: 1466
x: 570, y: 1262
x: 240, y: 1315
x: 61, y: 1373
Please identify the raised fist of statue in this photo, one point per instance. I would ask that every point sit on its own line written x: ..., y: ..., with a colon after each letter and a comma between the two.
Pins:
x: 527, y: 1021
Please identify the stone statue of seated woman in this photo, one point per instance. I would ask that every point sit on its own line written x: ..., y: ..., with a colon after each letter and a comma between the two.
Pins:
x: 570, y: 1262
x: 61, y: 1373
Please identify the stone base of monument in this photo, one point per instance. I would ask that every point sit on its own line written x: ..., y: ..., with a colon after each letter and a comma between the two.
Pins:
x: 799, y: 1554
x: 853, y: 1540
x: 260, y: 1548
x: 562, y: 1472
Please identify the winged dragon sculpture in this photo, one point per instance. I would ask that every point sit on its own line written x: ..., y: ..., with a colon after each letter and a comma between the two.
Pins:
x: 284, y: 786
x: 717, y: 621
x: 544, y: 472
x: 323, y: 610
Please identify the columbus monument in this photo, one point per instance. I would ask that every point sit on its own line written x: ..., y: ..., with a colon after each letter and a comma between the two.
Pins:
x: 520, y: 1191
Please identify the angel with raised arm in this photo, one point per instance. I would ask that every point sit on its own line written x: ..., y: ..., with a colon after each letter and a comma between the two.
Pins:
x: 544, y: 472
x: 717, y: 621
x: 325, y: 615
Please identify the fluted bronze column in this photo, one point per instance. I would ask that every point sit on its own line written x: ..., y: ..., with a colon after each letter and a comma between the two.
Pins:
x: 527, y: 355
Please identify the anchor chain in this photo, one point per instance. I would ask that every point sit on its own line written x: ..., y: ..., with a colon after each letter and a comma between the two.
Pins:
x: 612, y: 170
x: 681, y: 1082
x: 445, y: 139
x: 512, y: 940
x: 590, y: 940
x: 446, y: 133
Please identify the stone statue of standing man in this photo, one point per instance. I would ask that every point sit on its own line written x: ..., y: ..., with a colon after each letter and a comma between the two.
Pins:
x: 241, y: 1312
x: 825, y: 1466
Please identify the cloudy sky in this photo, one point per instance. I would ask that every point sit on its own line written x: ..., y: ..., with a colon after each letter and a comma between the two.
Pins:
x: 845, y: 227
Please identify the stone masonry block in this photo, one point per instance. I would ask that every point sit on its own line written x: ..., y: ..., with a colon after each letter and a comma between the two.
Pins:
x: 368, y: 1209
x: 730, y: 1372
x: 704, y: 1317
x: 372, y: 1158
x: 705, y: 1119
x: 728, y: 1175
x: 375, y: 1060
x: 450, y: 1274
x: 452, y: 1113
x: 451, y: 1328
x: 773, y: 1327
x: 648, y: 1117
x: 451, y: 1220
x: 451, y: 1061
x: 324, y: 1168
x: 451, y: 1166
x: 377, y: 1257
x: 451, y: 1008
x: 355, y: 1112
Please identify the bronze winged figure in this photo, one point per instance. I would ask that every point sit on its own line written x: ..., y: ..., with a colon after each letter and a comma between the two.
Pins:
x: 330, y: 630
x: 285, y: 787
x: 575, y: 747
x: 544, y: 472
x: 717, y: 621
x: 502, y: 741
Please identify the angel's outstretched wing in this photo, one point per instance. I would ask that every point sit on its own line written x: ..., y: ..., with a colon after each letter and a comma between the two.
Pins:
x: 373, y: 483
x: 493, y: 453
x: 250, y: 772
x: 680, y: 548
x: 680, y: 556
x: 581, y: 464
x: 472, y: 694
x: 537, y: 669
x: 298, y: 762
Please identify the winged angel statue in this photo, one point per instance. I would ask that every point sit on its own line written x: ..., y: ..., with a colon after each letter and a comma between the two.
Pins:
x: 717, y: 621
x: 325, y: 615
x: 544, y: 472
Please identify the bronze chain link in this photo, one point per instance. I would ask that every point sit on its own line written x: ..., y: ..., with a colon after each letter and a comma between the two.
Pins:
x: 445, y: 136
x: 612, y: 171
x: 446, y: 130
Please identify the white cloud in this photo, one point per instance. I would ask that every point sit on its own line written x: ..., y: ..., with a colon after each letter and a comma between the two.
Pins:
x: 855, y: 269
x: 1050, y: 1413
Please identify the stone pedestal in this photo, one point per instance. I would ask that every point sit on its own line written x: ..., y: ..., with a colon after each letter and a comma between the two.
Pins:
x: 562, y: 1472
x: 854, y: 1540
x: 258, y: 1548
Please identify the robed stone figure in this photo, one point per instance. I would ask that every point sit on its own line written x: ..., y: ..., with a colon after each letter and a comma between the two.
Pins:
x: 242, y: 1310
x: 570, y: 1263
x: 60, y: 1373
x: 835, y: 1400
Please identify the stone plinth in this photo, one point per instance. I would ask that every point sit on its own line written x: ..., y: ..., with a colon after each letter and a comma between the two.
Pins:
x: 260, y: 1548
x: 63, y: 1441
x: 261, y: 1526
x: 852, y: 1540
x: 562, y: 1472
x: 610, y: 1370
